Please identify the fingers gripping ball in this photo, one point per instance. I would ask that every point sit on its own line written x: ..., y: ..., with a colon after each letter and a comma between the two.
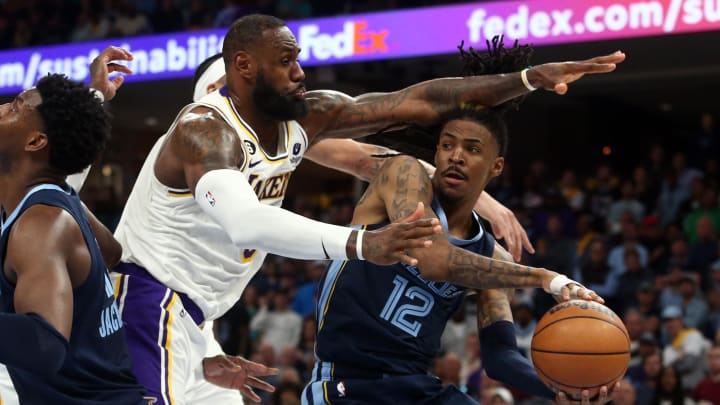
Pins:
x: 580, y: 345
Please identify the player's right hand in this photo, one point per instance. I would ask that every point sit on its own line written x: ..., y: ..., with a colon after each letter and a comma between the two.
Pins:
x: 390, y: 243
x: 238, y: 373
x: 103, y: 65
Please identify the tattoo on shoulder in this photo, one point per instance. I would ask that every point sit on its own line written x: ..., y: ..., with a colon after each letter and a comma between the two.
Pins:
x: 411, y: 185
x: 203, y: 138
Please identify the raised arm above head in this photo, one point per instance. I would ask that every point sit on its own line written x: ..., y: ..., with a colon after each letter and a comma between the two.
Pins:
x: 334, y: 114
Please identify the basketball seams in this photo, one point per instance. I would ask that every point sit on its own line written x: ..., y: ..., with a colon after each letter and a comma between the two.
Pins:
x: 537, y: 332
x: 581, y: 353
x: 558, y: 383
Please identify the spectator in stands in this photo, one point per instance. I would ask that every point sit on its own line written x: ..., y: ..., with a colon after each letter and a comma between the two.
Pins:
x: 634, y: 323
x: 630, y: 241
x: 571, y: 191
x: 525, y: 322
x: 704, y: 144
x: 594, y: 270
x: 603, y: 189
x: 708, y: 208
x: 703, y: 252
x: 279, y: 326
x: 304, y: 301
x: 708, y: 389
x: 647, y: 382
x: 647, y: 189
x: 627, y: 202
x: 683, y: 353
x: 630, y: 281
x: 672, y: 197
x: 669, y: 390
x: 648, y: 304
x: 686, y: 173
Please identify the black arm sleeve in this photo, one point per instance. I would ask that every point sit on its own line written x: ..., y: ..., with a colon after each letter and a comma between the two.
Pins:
x: 30, y: 343
x: 503, y: 361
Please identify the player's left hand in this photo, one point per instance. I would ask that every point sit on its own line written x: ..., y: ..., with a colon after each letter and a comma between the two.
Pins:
x: 603, y: 397
x: 103, y: 65
x: 238, y: 373
x: 565, y: 289
x: 504, y: 225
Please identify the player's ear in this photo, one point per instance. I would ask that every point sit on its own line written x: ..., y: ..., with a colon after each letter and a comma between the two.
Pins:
x: 245, y: 64
x: 498, y: 166
x: 36, y: 140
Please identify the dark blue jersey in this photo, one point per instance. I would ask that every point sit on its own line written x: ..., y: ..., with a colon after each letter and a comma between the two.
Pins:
x: 97, y: 366
x: 385, y: 319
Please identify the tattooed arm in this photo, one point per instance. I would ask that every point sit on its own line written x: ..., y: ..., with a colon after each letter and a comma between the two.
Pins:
x: 337, y: 115
x: 358, y: 159
x: 402, y: 182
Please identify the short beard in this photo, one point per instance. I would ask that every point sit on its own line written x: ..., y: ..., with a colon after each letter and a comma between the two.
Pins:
x: 275, y: 105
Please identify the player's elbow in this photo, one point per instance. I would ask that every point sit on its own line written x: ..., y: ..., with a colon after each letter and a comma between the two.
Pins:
x: 250, y: 234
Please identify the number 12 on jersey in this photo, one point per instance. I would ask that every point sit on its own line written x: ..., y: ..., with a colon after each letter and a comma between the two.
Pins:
x: 398, y: 316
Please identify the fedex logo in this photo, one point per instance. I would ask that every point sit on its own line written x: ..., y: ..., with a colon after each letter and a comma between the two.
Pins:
x: 354, y: 39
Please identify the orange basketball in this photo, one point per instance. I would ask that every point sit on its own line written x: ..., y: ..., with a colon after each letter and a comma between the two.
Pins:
x: 580, y: 345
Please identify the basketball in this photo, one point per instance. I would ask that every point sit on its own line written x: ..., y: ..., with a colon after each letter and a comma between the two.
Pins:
x: 580, y: 345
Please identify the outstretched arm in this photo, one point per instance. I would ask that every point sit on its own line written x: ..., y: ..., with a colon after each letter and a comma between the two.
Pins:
x: 403, y: 182
x: 337, y: 115
x: 204, y: 154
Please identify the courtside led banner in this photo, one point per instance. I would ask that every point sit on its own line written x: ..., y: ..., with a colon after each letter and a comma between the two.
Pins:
x: 394, y: 34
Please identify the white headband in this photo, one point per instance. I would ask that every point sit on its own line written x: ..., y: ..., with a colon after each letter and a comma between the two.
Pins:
x: 211, y: 75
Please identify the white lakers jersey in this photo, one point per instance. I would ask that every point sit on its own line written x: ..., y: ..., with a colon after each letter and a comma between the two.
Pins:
x: 167, y: 233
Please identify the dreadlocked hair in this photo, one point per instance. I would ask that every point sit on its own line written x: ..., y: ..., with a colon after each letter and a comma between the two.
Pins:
x: 420, y: 141
x: 76, y: 124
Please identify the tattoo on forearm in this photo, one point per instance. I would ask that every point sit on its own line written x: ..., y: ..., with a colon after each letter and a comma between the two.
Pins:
x: 480, y: 272
x: 493, y: 306
x: 368, y: 110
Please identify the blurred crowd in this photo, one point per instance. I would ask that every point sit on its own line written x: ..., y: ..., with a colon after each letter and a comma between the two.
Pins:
x: 85, y: 20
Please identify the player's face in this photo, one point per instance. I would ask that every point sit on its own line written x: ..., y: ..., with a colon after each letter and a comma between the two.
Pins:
x: 466, y: 159
x: 18, y: 118
x: 279, y: 84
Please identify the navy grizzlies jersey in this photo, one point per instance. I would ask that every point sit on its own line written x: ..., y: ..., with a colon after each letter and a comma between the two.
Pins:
x: 97, y: 365
x: 385, y: 319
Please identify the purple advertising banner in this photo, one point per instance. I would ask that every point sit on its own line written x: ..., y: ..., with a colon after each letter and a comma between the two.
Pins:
x: 394, y: 34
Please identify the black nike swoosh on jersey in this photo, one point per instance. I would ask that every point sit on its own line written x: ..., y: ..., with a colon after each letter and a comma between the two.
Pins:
x: 327, y: 256
x: 253, y: 164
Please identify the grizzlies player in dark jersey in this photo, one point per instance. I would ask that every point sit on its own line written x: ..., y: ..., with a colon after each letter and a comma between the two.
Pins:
x: 379, y: 327
x: 62, y: 338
